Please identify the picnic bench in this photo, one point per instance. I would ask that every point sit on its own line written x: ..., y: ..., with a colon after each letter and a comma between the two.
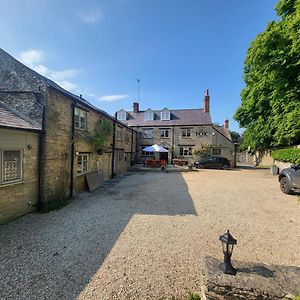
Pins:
x: 155, y: 163
x: 180, y: 162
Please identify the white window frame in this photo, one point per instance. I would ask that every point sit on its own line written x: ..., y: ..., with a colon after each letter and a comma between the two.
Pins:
x: 148, y: 133
x: 148, y: 115
x: 164, y: 133
x: 186, y: 133
x: 122, y: 115
x: 185, y: 151
x: 20, y: 166
x: 80, y: 118
x: 165, y: 115
x: 83, y: 170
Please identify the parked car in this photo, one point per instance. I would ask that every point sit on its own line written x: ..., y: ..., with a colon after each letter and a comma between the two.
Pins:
x: 289, y: 179
x: 213, y: 162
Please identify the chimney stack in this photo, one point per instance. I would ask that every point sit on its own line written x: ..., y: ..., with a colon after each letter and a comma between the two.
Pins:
x: 226, y: 123
x: 135, y: 107
x: 206, y: 102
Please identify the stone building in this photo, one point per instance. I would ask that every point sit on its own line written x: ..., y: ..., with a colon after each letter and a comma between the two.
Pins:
x: 68, y: 152
x: 179, y: 131
x: 19, y: 176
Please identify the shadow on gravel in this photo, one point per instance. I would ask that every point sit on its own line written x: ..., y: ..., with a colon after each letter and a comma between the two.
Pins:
x: 55, y: 255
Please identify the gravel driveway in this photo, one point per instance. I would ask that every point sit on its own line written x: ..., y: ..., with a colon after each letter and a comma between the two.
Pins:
x: 142, y: 236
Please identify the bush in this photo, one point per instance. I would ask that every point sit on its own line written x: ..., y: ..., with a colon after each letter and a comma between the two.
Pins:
x: 291, y: 155
x: 54, y: 205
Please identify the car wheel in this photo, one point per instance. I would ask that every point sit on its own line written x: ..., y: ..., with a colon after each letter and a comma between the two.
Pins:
x: 226, y: 167
x: 200, y: 166
x: 285, y: 186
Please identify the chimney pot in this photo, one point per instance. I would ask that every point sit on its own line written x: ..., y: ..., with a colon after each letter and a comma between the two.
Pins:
x: 226, y: 123
x: 135, y: 107
x: 206, y: 101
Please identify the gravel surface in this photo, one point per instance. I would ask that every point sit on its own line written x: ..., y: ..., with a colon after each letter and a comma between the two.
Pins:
x: 143, y: 235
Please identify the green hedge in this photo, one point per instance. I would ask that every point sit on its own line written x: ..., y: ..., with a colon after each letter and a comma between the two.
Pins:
x: 291, y: 155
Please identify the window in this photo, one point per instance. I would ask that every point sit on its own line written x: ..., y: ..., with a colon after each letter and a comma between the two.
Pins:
x: 164, y: 133
x: 201, y: 133
x: 119, y: 133
x: 121, y: 115
x: 147, y: 133
x: 11, y: 166
x: 149, y: 115
x: 186, y: 151
x: 126, y: 138
x: 165, y: 115
x: 146, y: 153
x: 82, y: 163
x: 80, y: 118
x: 216, y: 151
x: 186, y: 132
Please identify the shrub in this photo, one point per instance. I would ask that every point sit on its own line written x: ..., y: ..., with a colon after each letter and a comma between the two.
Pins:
x: 291, y: 155
x: 202, y: 151
x: 54, y: 205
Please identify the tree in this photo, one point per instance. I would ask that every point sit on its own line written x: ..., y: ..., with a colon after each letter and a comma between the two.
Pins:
x: 236, y: 137
x: 270, y: 108
x: 202, y: 151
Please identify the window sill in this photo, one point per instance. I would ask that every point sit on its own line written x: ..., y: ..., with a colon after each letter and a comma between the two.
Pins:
x: 82, y: 174
x: 11, y: 183
x: 80, y: 129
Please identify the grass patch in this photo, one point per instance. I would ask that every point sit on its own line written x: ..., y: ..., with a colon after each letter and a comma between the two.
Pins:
x: 54, y: 205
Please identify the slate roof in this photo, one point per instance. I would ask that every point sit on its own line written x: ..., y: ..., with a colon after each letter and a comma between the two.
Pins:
x: 15, y: 76
x: 179, y: 117
x: 225, y: 132
x: 12, y: 119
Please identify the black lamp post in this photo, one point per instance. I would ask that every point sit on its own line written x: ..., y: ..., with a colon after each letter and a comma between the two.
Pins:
x: 227, y: 243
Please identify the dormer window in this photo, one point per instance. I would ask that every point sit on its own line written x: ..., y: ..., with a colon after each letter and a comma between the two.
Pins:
x: 121, y: 115
x: 149, y: 115
x: 165, y: 115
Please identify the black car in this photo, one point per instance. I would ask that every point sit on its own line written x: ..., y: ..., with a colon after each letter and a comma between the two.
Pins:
x: 213, y: 162
x: 289, y: 179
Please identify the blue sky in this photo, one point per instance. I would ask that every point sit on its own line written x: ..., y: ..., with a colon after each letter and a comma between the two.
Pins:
x: 177, y: 49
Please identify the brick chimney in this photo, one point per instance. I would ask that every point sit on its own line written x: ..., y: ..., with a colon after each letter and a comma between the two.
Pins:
x: 226, y: 123
x: 206, y: 102
x: 135, y: 107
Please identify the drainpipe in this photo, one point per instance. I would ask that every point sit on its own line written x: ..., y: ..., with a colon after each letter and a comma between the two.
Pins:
x: 41, y: 161
x: 113, y: 148
x: 72, y: 148
x: 131, y: 150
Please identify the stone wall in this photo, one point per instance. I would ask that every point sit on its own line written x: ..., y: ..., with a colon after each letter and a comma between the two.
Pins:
x: 199, y: 135
x: 19, y: 198
x: 27, y: 103
x: 57, y: 147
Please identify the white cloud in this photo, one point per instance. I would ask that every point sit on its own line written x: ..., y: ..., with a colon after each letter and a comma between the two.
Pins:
x: 92, y: 16
x: 33, y: 59
x: 111, y: 98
